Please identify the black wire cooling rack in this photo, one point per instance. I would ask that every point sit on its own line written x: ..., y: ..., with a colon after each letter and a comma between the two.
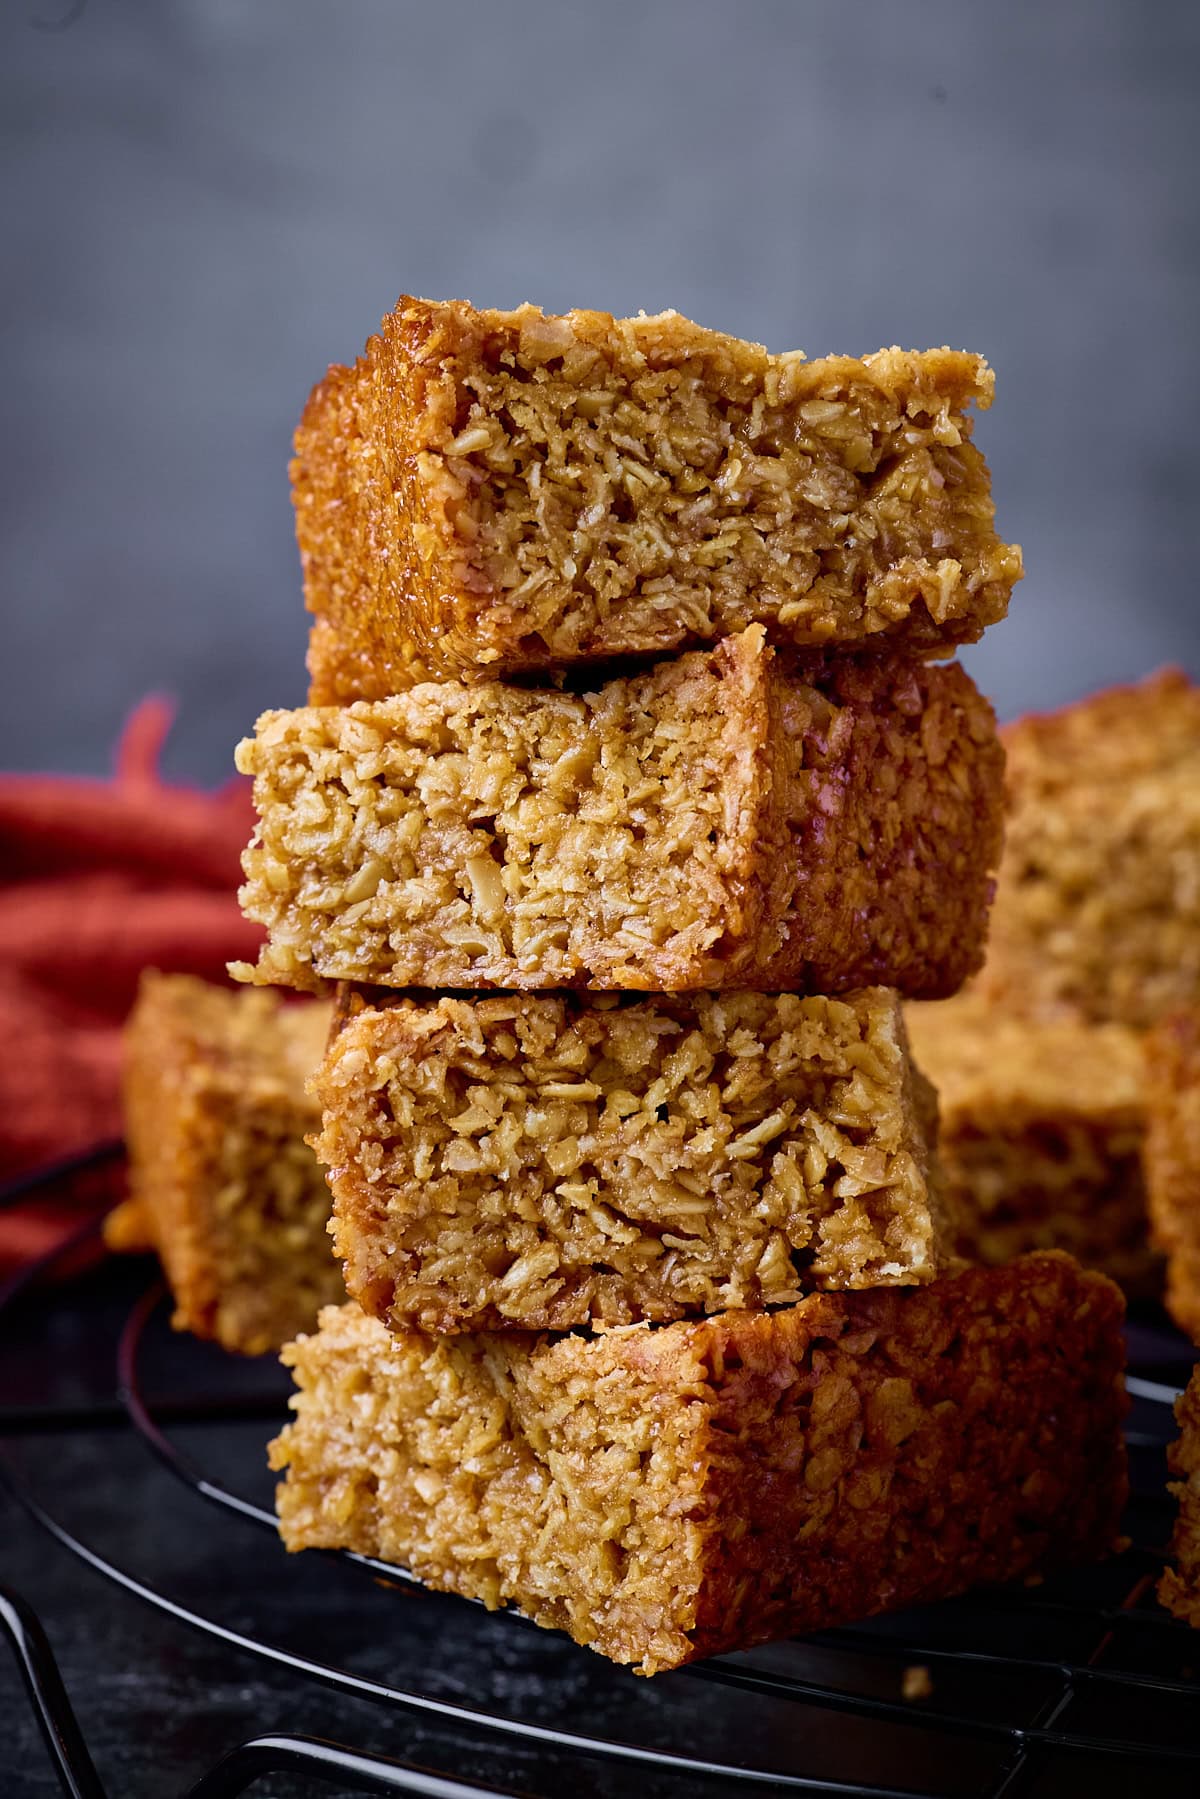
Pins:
x: 1078, y: 1685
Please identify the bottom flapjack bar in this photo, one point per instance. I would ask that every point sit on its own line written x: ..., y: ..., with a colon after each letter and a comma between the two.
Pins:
x: 668, y: 1493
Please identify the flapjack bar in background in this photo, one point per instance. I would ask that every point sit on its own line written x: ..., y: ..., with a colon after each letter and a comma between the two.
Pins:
x: 1172, y: 1158
x: 222, y: 1183
x: 1040, y: 1134
x: 1098, y: 903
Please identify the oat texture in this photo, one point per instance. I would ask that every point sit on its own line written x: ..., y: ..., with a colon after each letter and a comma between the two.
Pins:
x: 727, y: 819
x: 222, y: 1181
x: 1098, y: 906
x: 670, y: 1492
x: 489, y: 492
x: 1172, y: 1159
x: 547, y: 1162
x: 1041, y: 1131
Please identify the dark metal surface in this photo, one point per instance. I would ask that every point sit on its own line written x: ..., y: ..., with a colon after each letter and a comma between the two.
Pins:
x: 134, y: 1458
x: 65, y: 1746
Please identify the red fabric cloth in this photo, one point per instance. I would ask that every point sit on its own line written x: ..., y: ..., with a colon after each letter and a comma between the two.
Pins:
x: 98, y: 880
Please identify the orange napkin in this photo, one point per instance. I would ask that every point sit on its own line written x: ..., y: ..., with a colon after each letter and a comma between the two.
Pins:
x: 98, y: 880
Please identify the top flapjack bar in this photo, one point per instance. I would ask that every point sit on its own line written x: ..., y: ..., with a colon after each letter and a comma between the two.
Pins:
x: 499, y: 492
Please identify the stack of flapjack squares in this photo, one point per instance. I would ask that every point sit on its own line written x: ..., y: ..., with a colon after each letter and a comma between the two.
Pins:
x: 634, y: 797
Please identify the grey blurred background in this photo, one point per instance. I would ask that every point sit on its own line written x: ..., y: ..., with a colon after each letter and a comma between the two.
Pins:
x: 204, y: 202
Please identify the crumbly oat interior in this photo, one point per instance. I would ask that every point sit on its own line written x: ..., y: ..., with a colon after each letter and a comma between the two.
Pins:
x: 1172, y: 1159
x: 1041, y: 1126
x: 1098, y: 905
x: 544, y: 1163
x: 1179, y: 1587
x: 722, y: 820
x: 664, y: 1493
x: 509, y: 491
x: 216, y: 1114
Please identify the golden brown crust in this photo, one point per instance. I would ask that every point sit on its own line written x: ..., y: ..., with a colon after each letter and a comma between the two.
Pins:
x: 220, y: 1176
x: 341, y: 546
x: 491, y: 492
x: 1179, y: 1588
x: 1040, y: 1137
x: 728, y: 819
x: 1172, y: 1159
x: 1098, y: 903
x: 681, y: 1491
x: 543, y: 1163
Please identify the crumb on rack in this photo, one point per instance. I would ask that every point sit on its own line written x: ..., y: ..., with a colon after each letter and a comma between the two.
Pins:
x: 917, y: 1682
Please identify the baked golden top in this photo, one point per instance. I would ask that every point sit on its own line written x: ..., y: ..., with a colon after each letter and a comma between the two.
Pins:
x: 987, y: 1062
x: 727, y: 819
x: 251, y: 1045
x: 539, y: 1162
x: 500, y: 491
